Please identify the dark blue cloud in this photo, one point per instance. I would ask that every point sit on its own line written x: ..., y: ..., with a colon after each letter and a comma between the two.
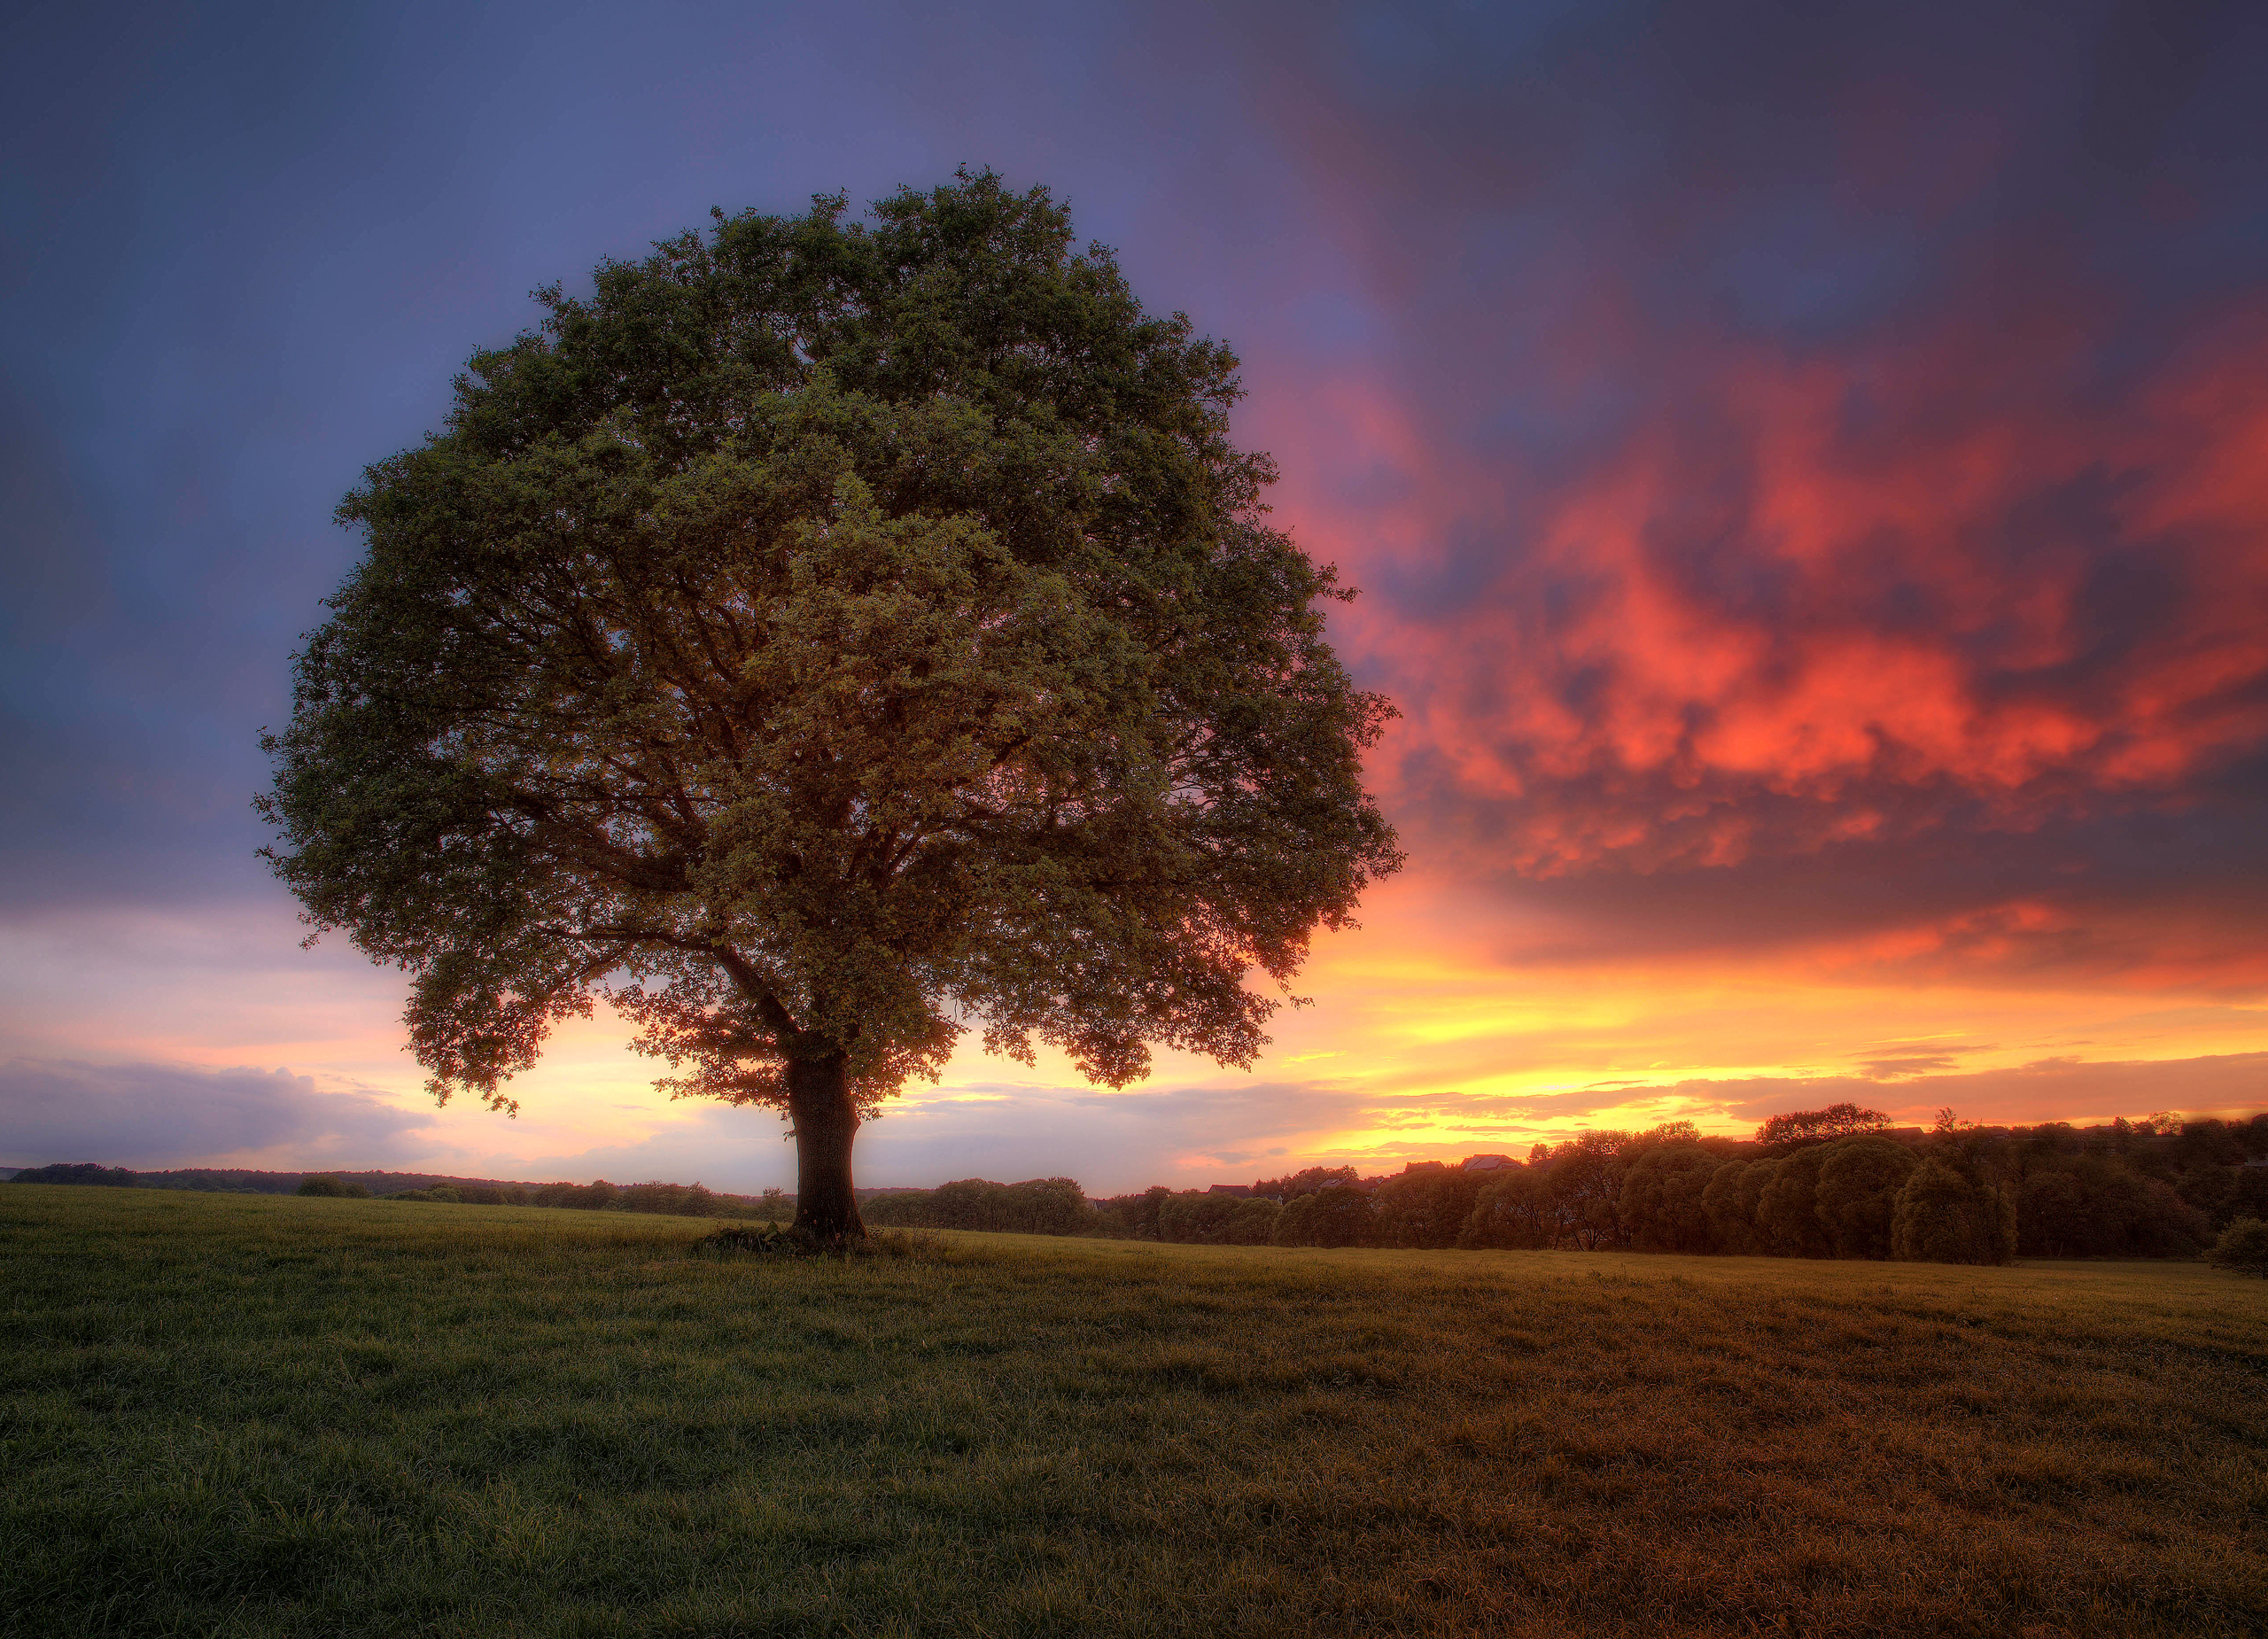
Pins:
x: 248, y: 247
x: 151, y: 1116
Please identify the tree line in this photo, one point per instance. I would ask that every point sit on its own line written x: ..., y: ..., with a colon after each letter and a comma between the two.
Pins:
x: 1834, y: 1183
x: 692, y: 1200
x: 1821, y: 1183
x: 684, y: 1200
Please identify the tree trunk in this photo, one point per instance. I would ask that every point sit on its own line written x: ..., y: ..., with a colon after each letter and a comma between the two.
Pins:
x: 826, y: 1122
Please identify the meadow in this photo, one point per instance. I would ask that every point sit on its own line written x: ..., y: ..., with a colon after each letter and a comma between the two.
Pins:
x: 255, y: 1415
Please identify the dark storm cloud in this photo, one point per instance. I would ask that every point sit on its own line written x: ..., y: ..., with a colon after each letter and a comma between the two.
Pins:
x: 152, y: 1117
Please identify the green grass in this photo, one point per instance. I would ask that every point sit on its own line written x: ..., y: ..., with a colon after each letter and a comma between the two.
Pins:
x: 259, y: 1415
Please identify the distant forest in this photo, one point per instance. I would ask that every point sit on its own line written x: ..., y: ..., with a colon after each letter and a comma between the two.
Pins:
x: 1838, y: 1183
x: 682, y: 1200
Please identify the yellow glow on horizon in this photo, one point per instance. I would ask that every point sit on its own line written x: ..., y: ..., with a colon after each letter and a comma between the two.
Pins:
x: 1423, y: 1042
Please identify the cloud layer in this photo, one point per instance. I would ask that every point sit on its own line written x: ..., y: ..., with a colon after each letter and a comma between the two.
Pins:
x: 152, y: 1117
x: 1817, y: 460
x: 1804, y: 469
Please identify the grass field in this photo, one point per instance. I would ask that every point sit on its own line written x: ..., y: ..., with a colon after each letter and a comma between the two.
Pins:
x: 256, y: 1415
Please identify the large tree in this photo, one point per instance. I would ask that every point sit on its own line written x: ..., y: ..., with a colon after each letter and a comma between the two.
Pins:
x: 827, y: 637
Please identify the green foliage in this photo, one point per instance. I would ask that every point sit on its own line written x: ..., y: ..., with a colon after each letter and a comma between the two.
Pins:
x: 1189, y: 1216
x: 2112, y: 1192
x: 230, y: 1180
x: 1837, y: 1120
x: 1253, y: 1224
x: 247, y: 1181
x: 1731, y: 1199
x: 1787, y: 1209
x: 1663, y: 1198
x: 1036, y: 1206
x: 847, y: 631
x: 595, y: 1196
x: 1197, y: 1217
x: 2097, y: 1206
x: 678, y: 1200
x: 1856, y: 1197
x: 1307, y: 1181
x: 1135, y: 1218
x: 1583, y: 1179
x: 78, y: 1172
x: 1945, y: 1217
x: 1425, y: 1206
x: 332, y: 1187
x: 482, y: 1195
x: 1338, y: 1217
x: 2243, y: 1248
x: 2247, y: 1195
x: 1513, y: 1210
x: 265, y: 1417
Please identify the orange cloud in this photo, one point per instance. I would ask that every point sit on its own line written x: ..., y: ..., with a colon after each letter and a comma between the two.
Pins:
x: 1858, y: 637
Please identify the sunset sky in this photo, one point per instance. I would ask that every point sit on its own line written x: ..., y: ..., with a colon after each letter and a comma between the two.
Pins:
x: 1806, y: 468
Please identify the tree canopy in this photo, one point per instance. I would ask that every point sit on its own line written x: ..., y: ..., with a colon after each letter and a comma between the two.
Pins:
x: 1837, y: 1120
x: 827, y: 637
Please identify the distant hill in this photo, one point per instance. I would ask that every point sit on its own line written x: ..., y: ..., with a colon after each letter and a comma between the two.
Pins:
x: 244, y: 1181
